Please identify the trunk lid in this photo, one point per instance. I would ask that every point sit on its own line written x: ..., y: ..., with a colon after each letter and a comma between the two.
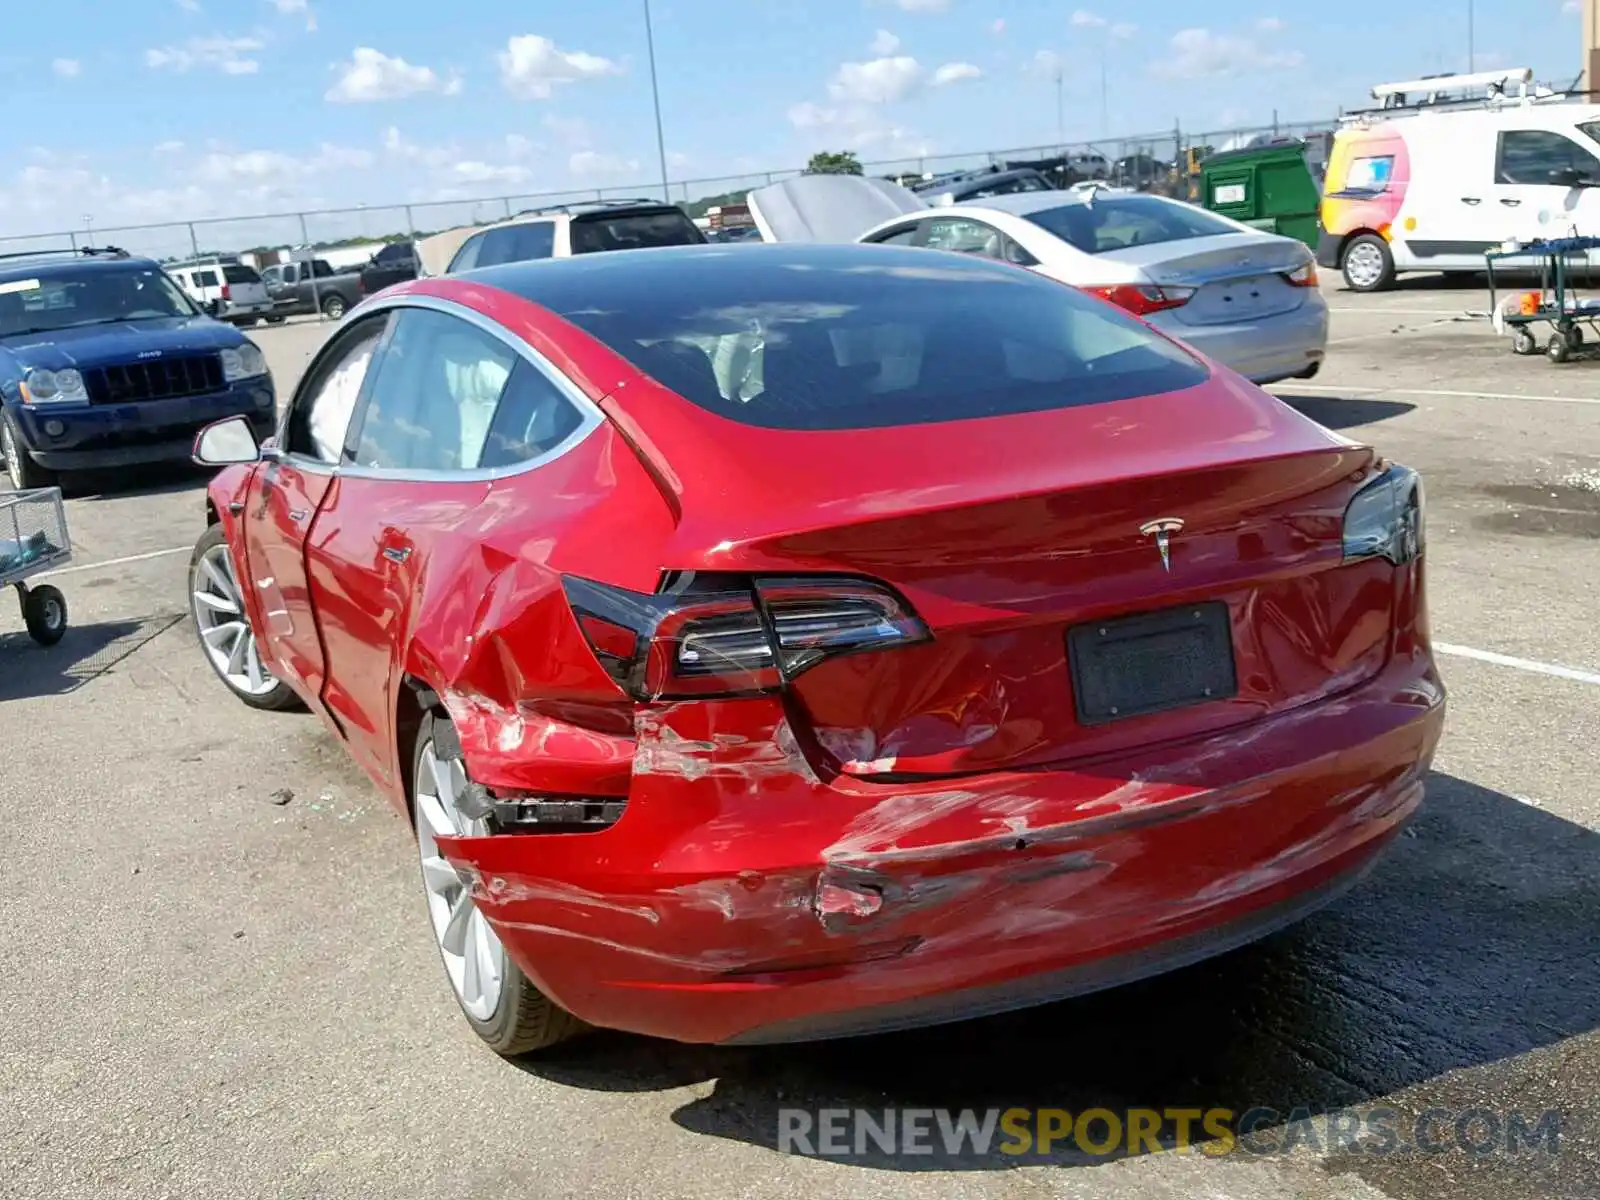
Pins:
x: 1018, y: 540
x: 1237, y: 276
x: 828, y: 208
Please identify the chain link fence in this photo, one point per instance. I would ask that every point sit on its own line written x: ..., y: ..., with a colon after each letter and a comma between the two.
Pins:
x: 1152, y: 162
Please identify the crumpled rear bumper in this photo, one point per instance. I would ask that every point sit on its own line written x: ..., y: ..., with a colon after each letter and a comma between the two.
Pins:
x: 742, y: 898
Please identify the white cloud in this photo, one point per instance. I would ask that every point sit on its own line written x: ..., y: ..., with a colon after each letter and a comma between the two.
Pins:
x: 586, y: 163
x: 279, y: 168
x: 1084, y: 19
x: 877, y: 81
x: 923, y: 5
x: 230, y: 55
x: 518, y: 146
x: 1201, y: 54
x: 1046, y: 64
x: 371, y: 75
x: 1123, y: 30
x: 474, y: 171
x: 172, y: 147
x: 532, y: 67
x: 189, y: 5
x: 885, y: 43
x: 955, y: 72
x: 1270, y: 24
x: 300, y: 8
x: 1571, y: 8
x: 67, y: 68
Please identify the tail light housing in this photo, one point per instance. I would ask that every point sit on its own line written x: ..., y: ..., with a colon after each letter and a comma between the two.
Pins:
x: 1142, y: 299
x: 1304, y: 275
x: 704, y: 636
x: 227, y: 293
x: 1384, y: 518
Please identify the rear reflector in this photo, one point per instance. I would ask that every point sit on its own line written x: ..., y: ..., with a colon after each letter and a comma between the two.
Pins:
x: 1142, y: 299
x: 739, y: 635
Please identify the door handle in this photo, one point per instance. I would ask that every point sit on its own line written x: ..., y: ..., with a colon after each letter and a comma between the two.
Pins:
x: 1511, y: 203
x: 397, y: 553
x: 298, y: 514
x: 1471, y: 200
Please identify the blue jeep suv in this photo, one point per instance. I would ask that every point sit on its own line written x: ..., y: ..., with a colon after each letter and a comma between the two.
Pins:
x: 106, y: 363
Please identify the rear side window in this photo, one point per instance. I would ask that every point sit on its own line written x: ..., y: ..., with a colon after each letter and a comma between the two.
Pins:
x: 633, y: 231
x: 517, y: 243
x: 467, y: 257
x: 1117, y: 222
x: 852, y: 344
x: 205, y: 278
x: 240, y: 274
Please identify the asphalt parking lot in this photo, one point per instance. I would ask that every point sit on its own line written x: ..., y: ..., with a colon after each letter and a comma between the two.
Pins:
x: 209, y: 992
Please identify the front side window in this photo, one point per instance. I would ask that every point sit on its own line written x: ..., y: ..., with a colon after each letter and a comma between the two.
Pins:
x: 1530, y: 155
x: 206, y: 279
x: 897, y: 237
x: 449, y: 396
x: 319, y: 418
x: 1117, y: 222
x: 843, y: 340
x: 962, y: 235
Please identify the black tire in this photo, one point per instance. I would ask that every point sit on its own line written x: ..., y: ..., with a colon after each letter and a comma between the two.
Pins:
x: 44, y: 611
x: 525, y: 1019
x: 22, y: 470
x: 1523, y: 341
x: 1575, y: 336
x: 1557, y: 348
x: 276, y: 320
x: 1364, y: 248
x: 281, y: 696
x: 334, y: 307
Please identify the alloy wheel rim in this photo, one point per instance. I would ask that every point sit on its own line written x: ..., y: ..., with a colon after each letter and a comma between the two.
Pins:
x: 225, y: 633
x: 474, y: 958
x: 1364, y: 265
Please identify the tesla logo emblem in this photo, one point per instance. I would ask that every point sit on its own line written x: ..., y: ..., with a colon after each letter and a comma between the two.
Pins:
x: 1162, y: 529
x: 150, y: 354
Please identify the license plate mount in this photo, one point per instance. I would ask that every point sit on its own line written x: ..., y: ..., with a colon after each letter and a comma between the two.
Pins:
x: 1151, y: 662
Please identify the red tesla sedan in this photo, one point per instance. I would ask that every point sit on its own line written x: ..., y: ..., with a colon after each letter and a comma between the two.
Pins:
x: 784, y: 642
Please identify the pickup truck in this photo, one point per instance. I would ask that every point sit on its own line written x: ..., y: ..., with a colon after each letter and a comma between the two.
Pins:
x: 299, y: 288
x: 395, y: 263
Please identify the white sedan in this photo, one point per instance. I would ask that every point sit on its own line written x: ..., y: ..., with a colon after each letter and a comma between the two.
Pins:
x: 1243, y: 297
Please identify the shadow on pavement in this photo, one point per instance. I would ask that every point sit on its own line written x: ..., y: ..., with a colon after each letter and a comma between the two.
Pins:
x: 1345, y: 412
x: 29, y: 670
x: 163, y: 480
x: 1476, y: 940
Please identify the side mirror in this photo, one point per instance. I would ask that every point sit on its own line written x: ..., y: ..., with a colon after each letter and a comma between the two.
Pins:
x: 226, y: 442
x: 1571, y: 177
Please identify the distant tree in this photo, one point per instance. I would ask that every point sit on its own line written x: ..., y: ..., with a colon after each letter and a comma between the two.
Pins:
x: 828, y: 162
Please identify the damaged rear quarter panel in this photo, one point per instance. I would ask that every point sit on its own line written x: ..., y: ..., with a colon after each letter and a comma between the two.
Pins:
x: 489, y: 629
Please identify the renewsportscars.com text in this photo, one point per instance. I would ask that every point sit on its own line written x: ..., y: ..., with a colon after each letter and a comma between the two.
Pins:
x: 1103, y: 1132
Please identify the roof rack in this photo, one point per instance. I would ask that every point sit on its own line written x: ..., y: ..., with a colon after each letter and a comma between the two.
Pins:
x: 69, y: 252
x: 1482, y: 89
x: 571, y: 205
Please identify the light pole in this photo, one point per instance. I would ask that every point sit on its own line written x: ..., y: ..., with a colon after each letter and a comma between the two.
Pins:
x: 655, y: 99
x: 1472, y: 56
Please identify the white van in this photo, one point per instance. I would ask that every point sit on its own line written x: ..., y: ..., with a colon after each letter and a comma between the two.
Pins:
x: 1437, y: 176
x: 225, y: 288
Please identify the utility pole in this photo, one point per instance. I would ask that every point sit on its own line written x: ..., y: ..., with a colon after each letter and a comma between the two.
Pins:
x: 1061, y: 105
x: 655, y: 98
x: 1472, y: 56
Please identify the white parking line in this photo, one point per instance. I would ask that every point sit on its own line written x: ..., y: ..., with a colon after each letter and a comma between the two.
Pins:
x: 114, y: 562
x: 1518, y: 664
x: 1406, y: 312
x: 1447, y: 395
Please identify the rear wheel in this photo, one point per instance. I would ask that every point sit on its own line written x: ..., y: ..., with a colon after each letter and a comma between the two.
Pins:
x: 333, y: 307
x: 501, y: 1005
x: 1523, y: 341
x: 1368, y: 265
x: 44, y: 612
x: 23, y: 472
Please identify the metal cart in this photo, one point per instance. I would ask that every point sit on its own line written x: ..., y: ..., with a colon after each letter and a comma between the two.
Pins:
x: 1556, y: 303
x: 33, y: 539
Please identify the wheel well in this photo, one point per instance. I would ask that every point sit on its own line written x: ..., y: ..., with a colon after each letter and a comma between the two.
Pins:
x: 415, y: 701
x: 1344, y: 244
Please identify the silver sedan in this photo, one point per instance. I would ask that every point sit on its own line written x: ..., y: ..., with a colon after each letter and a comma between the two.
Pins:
x: 1242, y: 297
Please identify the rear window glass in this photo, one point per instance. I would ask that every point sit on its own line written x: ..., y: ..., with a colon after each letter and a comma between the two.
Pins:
x: 240, y: 275
x: 633, y: 231
x: 863, y: 337
x: 1117, y: 222
x: 517, y: 243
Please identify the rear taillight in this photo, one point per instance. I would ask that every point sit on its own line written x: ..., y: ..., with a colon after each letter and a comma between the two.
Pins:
x: 1303, y: 276
x: 1142, y: 299
x: 721, y: 636
x: 227, y: 294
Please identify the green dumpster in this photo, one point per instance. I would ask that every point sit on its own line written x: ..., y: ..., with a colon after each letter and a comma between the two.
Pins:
x: 1265, y: 187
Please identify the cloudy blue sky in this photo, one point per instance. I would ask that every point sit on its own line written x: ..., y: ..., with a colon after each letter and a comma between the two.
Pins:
x: 147, y: 110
